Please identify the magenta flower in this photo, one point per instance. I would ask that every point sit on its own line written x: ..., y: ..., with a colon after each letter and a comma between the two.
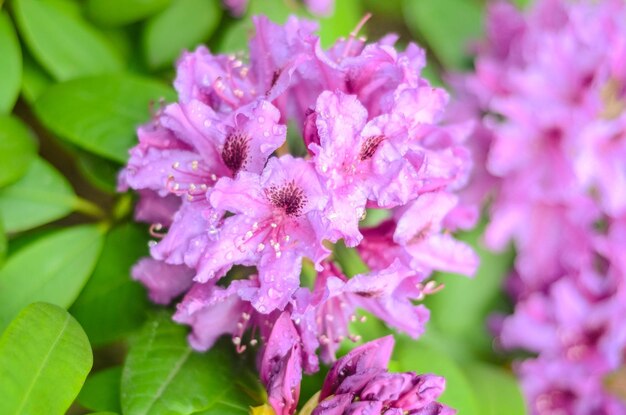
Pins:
x: 277, y: 221
x: 359, y: 383
x: 281, y: 368
x: 163, y: 281
x: 549, y: 101
x: 237, y: 217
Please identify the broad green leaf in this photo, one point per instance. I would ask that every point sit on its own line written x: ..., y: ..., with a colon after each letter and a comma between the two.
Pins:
x: 498, y: 390
x: 100, y: 172
x: 10, y: 64
x: 462, y: 307
x: 447, y: 26
x: 71, y: 8
x: 101, y: 391
x: 121, y: 12
x: 112, y: 304
x: 100, y: 114
x: 422, y: 358
x: 65, y: 45
x: 18, y: 149
x: 162, y: 375
x: 44, y: 360
x: 3, y: 244
x: 40, y: 196
x: 51, y: 269
x: 34, y: 79
x: 183, y: 25
x: 341, y: 23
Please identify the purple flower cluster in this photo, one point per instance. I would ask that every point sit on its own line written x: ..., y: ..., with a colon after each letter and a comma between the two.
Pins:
x: 238, y: 215
x: 550, y: 89
x: 360, y: 384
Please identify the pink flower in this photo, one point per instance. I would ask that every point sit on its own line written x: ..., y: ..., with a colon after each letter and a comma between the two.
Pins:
x: 240, y: 216
x: 281, y: 367
x: 359, y: 383
x: 277, y: 221
x: 549, y: 100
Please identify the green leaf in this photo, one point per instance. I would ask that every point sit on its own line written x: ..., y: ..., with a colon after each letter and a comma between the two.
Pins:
x: 52, y: 269
x: 65, y: 45
x: 10, y: 64
x: 101, y: 391
x: 447, y: 26
x: 183, y: 25
x: 498, y: 390
x: 34, y: 79
x: 122, y: 12
x: 100, y: 172
x: 422, y: 358
x: 4, y: 246
x: 343, y: 21
x: 17, y: 149
x: 112, y: 304
x: 44, y: 359
x: 472, y: 298
x: 100, y: 114
x: 349, y: 260
x: 162, y: 375
x: 41, y: 196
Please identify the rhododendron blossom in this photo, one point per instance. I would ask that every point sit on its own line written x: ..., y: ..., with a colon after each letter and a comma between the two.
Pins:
x: 238, y: 212
x: 359, y: 383
x: 549, y: 91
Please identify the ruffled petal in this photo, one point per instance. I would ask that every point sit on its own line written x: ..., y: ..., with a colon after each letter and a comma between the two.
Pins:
x: 163, y: 281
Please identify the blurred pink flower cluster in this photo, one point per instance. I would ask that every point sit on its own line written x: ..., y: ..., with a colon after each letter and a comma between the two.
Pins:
x: 549, y: 87
x: 238, y: 207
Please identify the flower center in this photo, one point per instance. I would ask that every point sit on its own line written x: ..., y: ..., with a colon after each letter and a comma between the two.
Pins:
x: 370, y: 146
x: 288, y: 197
x: 235, y: 151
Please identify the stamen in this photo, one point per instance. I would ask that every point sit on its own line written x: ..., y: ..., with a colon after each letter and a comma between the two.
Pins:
x: 154, y: 231
x: 369, y: 147
x: 235, y: 151
x: 288, y: 197
x: 354, y: 33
